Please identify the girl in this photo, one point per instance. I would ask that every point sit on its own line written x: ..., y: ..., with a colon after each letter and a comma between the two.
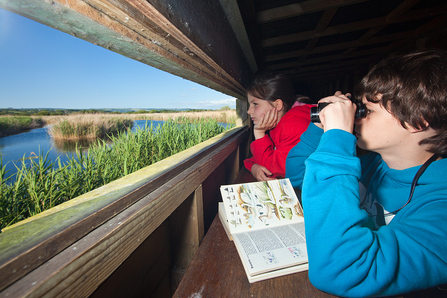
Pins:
x: 279, y: 120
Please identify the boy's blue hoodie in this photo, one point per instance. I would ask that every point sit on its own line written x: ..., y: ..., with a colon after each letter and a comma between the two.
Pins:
x: 351, y: 253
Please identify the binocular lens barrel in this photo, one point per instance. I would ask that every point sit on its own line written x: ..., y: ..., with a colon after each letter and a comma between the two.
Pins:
x: 315, y: 111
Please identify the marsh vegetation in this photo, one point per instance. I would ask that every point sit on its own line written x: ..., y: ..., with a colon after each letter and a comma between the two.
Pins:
x: 41, y: 183
x: 80, y: 127
x: 10, y: 125
x: 15, y: 124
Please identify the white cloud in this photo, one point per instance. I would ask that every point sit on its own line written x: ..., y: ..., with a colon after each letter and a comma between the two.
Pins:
x: 213, y: 104
x: 231, y: 102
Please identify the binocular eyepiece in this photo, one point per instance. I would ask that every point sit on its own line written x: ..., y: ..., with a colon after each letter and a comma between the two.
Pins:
x: 315, y: 111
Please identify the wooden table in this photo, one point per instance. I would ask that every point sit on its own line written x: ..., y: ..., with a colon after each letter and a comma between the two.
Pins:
x: 216, y: 271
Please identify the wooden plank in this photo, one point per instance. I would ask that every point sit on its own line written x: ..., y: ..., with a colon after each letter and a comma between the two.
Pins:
x: 195, y: 46
x: 95, y: 256
x: 157, y: 33
x: 199, y: 22
x: 29, y: 243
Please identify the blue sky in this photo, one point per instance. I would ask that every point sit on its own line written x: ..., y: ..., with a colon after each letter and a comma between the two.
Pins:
x: 41, y: 67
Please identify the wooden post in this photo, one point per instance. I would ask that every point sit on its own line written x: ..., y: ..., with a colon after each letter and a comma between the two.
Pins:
x: 187, y: 231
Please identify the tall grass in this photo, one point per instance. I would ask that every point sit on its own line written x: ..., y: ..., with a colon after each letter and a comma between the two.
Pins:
x: 222, y: 116
x: 41, y: 183
x: 89, y: 127
x: 14, y: 124
x: 227, y: 116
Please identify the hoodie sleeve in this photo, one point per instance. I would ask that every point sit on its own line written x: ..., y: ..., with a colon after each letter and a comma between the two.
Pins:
x: 298, y: 154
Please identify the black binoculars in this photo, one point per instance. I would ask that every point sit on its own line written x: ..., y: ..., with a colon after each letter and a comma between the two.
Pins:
x: 315, y: 111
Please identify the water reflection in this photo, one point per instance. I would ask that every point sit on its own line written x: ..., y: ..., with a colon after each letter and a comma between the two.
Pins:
x: 28, y: 145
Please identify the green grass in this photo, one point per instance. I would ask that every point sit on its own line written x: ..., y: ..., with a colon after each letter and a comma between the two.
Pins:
x: 15, y: 124
x: 41, y: 183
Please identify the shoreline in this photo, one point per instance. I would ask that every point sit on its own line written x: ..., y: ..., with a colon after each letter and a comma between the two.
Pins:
x: 227, y: 116
x: 17, y: 130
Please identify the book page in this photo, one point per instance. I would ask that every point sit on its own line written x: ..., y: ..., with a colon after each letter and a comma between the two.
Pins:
x: 271, y: 248
x: 260, y: 204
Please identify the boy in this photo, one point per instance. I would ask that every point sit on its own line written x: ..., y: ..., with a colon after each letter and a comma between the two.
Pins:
x: 376, y: 224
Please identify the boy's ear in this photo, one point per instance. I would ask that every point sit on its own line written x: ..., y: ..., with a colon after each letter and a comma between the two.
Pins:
x: 279, y: 105
x: 416, y: 129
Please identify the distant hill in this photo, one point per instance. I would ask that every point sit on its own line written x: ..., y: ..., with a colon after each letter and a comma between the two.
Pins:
x: 58, y: 111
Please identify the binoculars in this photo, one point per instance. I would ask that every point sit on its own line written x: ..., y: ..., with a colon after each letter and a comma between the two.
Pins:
x: 315, y: 111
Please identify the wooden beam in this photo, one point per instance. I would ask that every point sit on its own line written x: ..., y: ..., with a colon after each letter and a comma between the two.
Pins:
x: 354, y: 26
x: 396, y: 13
x: 187, y: 229
x: 397, y: 38
x: 248, y: 13
x: 234, y: 16
x: 296, y: 9
x: 325, y: 19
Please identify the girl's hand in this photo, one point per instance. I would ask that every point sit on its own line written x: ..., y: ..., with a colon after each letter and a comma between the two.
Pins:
x: 268, y: 121
x: 261, y: 173
x: 339, y: 114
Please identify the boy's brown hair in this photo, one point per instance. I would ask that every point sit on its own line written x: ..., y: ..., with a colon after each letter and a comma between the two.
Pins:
x: 414, y: 90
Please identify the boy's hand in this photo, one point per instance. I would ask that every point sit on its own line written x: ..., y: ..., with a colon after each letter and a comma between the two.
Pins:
x: 268, y: 121
x: 339, y: 114
x: 261, y: 173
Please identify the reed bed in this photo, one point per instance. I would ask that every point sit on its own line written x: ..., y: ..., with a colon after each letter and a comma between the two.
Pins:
x: 227, y: 116
x: 89, y: 126
x: 14, y: 124
x: 40, y: 183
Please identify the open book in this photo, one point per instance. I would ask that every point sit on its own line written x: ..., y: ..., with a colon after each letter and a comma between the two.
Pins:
x: 265, y: 221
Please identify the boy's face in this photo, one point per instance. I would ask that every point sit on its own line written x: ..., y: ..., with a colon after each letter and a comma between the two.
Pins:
x: 379, y: 131
x: 258, y: 108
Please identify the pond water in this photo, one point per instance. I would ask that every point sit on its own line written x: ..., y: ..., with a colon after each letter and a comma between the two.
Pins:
x: 13, y: 149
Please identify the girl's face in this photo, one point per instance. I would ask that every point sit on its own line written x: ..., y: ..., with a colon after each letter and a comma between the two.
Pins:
x: 257, y: 108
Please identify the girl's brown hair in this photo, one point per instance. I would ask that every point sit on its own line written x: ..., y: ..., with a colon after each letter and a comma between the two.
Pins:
x: 272, y: 86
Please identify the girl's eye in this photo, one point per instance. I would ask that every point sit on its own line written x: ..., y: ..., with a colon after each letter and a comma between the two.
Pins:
x: 368, y: 111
